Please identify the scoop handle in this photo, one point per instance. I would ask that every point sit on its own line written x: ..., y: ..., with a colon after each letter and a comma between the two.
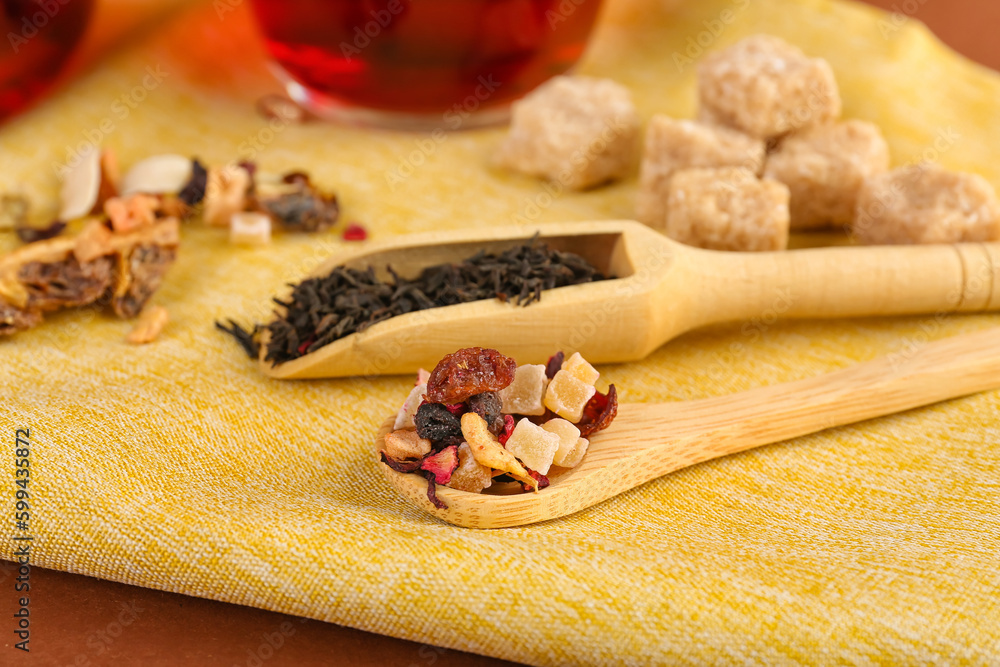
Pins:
x: 843, y: 282
x: 695, y: 431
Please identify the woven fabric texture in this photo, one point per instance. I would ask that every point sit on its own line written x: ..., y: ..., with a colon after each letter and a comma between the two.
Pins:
x: 179, y: 466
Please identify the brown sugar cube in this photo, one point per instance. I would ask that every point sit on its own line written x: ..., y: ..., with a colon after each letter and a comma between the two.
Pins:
x: 574, y: 130
x: 926, y: 203
x: 727, y: 209
x: 766, y: 87
x: 673, y: 144
x: 824, y: 167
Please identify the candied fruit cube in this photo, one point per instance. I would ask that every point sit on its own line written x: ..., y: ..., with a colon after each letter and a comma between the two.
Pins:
x: 406, y: 444
x: 524, y: 395
x: 404, y: 418
x: 926, y: 203
x: 766, y: 87
x: 470, y: 475
x: 246, y: 228
x: 573, y: 458
x: 533, y: 445
x: 579, y: 368
x: 727, y: 209
x: 824, y: 168
x: 672, y: 145
x: 567, y: 396
x: 568, y: 434
x: 574, y: 130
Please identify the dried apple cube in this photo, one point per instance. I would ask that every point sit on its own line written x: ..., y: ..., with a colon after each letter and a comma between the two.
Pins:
x: 567, y: 396
x: 533, y: 445
x: 405, y: 444
x: 524, y: 395
x: 569, y: 436
x: 404, y: 418
x: 470, y: 475
x: 573, y: 458
x: 579, y: 368
x: 246, y: 228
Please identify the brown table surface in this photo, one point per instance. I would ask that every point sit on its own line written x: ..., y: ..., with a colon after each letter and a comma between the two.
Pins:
x: 78, y: 620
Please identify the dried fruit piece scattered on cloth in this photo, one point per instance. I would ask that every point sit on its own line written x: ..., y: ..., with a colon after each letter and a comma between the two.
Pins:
x: 121, y: 269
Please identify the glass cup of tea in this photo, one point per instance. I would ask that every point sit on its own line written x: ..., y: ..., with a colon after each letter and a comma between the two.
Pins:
x: 421, y: 64
x: 38, y: 38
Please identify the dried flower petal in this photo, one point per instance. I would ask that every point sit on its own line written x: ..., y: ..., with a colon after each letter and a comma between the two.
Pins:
x: 599, y: 412
x: 554, y: 364
x: 401, y: 466
x: 541, y: 480
x: 508, y: 428
x: 432, y: 492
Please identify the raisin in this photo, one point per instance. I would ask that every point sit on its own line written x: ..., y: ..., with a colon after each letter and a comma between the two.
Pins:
x: 435, y: 423
x: 599, y: 412
x: 487, y: 405
x: 554, y: 364
x: 470, y: 371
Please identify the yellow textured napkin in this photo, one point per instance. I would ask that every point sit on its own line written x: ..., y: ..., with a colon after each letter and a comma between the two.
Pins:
x: 178, y: 466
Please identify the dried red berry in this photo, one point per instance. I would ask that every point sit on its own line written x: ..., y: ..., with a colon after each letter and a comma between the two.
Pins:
x: 400, y: 466
x: 554, y: 364
x: 442, y: 464
x: 458, y: 409
x: 355, y: 232
x: 470, y: 371
x: 599, y: 412
x: 508, y: 428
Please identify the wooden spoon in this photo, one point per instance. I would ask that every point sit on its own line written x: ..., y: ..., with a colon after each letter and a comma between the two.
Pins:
x: 647, y: 441
x: 663, y: 289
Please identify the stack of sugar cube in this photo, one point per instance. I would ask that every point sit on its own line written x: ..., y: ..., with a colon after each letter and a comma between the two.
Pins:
x: 769, y: 154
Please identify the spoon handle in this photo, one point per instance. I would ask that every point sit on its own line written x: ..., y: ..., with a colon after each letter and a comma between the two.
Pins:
x: 844, y: 282
x: 913, y: 377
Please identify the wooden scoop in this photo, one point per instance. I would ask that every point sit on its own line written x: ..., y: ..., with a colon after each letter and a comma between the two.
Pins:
x: 647, y: 441
x: 663, y: 289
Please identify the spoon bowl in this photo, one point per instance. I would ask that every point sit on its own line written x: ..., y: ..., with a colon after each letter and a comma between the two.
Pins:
x: 661, y: 290
x: 647, y: 441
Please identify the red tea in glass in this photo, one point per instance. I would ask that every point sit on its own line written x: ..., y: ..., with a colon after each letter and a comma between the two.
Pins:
x: 421, y: 64
x: 36, y: 38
